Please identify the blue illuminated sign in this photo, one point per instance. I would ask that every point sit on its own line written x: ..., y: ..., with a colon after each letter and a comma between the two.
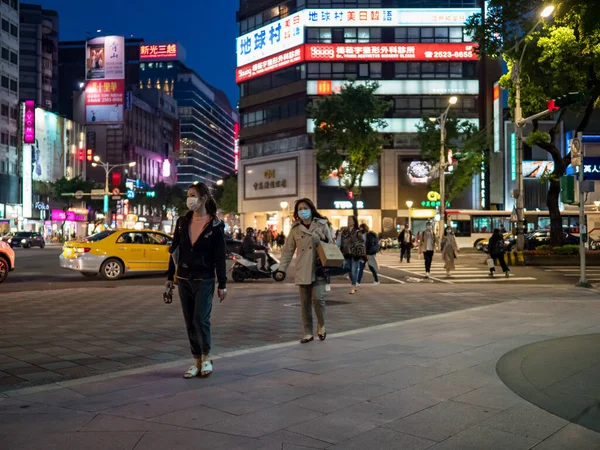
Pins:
x: 130, y: 194
x: 513, y: 157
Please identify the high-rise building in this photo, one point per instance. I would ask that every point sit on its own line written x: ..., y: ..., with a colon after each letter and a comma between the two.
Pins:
x: 10, y: 197
x: 290, y: 53
x: 38, y: 64
x: 207, y: 120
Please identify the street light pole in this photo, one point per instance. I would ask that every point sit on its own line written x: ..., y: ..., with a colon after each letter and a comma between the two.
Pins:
x: 108, y: 168
x: 409, y: 203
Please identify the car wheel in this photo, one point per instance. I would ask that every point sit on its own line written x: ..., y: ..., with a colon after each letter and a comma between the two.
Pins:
x: 43, y: 244
x: 477, y: 241
x: 89, y: 274
x: 112, y: 269
x: 3, y: 269
x: 27, y: 245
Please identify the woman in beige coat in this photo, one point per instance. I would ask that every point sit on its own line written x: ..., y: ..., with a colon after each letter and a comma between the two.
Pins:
x: 308, y: 231
x: 449, y: 250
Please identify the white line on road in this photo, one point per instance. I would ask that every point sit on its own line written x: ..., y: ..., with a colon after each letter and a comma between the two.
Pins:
x: 499, y: 278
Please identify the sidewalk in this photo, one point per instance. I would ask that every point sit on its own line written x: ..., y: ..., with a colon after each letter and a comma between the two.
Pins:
x: 424, y: 383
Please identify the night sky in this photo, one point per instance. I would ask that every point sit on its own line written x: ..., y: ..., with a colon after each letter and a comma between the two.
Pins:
x: 206, y: 28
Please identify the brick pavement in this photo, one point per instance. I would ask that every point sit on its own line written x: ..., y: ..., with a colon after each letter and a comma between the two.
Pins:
x: 62, y: 334
x: 423, y: 383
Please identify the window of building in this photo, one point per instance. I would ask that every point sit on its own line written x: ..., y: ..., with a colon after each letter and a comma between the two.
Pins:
x: 142, y: 66
x: 339, y: 71
x: 362, y: 35
x: 319, y: 35
x: 4, y: 82
x: 4, y: 109
x: 343, y: 3
x: 14, y: 58
x: 5, y: 25
x: 14, y: 85
x: 5, y: 54
x: 14, y: 30
x: 440, y: 69
x: 4, y: 138
x: 274, y: 112
x: 263, y: 18
x: 430, y: 34
x: 417, y: 106
x: 12, y: 140
x: 14, y: 113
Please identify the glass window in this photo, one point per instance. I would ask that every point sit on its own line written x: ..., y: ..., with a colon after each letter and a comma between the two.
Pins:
x: 414, y: 70
x: 455, y: 70
x: 441, y: 69
x: 142, y: 66
x: 414, y: 34
x: 5, y: 53
x: 99, y: 236
x: 462, y: 228
x: 401, y: 34
x: 428, y: 69
x: 350, y: 35
x: 482, y: 225
x: 376, y: 70
x: 456, y: 34
x: 375, y: 35
x: 427, y: 34
x: 469, y: 69
x: 5, y: 83
x: 364, y: 35
x: 401, y: 70
x: 5, y: 25
x: 312, y: 35
x: 14, y: 30
x: 132, y: 238
x: 466, y: 36
x: 363, y: 70
x: 441, y: 34
x: 4, y: 109
x: 401, y: 103
x: 325, y: 35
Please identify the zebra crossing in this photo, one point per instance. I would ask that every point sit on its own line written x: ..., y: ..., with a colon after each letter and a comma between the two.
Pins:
x: 572, y: 272
x: 463, y: 273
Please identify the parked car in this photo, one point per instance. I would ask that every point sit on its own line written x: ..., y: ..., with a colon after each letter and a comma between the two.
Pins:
x: 7, y: 238
x: 27, y: 239
x: 112, y: 253
x: 482, y: 245
x: 542, y: 237
x: 7, y: 260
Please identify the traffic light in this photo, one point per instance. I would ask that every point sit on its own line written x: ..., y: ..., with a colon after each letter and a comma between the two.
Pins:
x: 568, y: 99
x: 151, y: 194
x: 90, y: 155
x: 81, y: 155
x: 551, y: 106
x: 351, y: 195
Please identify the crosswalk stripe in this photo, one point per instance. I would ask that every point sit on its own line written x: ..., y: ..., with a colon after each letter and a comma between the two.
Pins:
x: 495, y: 279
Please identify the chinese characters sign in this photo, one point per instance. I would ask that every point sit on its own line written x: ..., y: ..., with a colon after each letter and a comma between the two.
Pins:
x: 387, y: 52
x: 271, y: 179
x: 274, y: 38
x: 105, y: 58
x: 29, y: 122
x: 104, y: 101
x: 591, y: 168
x: 275, y: 62
x: 368, y: 17
x: 158, y: 51
x: 400, y: 87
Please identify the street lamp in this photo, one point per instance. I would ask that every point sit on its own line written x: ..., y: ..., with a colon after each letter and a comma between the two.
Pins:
x: 442, y: 120
x: 108, y: 168
x: 519, y: 124
x: 597, y: 204
x: 409, y: 203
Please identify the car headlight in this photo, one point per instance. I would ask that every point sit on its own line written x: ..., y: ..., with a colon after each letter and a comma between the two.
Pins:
x: 23, y: 241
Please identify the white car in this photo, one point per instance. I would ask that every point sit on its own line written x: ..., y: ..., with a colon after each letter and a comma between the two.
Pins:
x: 7, y: 260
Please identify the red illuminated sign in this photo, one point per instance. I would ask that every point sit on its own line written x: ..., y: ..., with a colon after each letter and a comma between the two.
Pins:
x: 390, y: 52
x: 266, y: 65
x: 236, y: 143
x: 160, y: 51
x: 29, y: 122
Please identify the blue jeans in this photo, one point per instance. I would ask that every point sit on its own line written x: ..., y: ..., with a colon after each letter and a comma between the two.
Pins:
x: 196, y: 301
x: 354, y: 266
x: 361, y: 270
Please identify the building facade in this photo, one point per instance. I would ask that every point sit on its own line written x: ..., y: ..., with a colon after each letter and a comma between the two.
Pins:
x: 207, y: 120
x: 10, y: 192
x: 290, y: 53
x: 38, y: 63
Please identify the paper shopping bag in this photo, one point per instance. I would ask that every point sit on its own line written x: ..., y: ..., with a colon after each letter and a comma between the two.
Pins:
x: 330, y: 255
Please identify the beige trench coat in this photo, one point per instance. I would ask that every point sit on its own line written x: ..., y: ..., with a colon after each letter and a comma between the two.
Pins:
x: 304, y: 243
x: 450, y: 252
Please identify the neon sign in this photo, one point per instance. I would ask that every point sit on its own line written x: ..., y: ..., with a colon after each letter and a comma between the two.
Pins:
x: 29, y: 122
x: 390, y: 52
x: 158, y: 51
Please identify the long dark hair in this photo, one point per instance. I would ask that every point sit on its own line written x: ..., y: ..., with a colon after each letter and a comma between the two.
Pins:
x: 203, y: 191
x: 313, y: 209
x: 355, y: 222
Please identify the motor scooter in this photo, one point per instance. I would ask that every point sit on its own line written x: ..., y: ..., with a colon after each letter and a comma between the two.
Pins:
x: 246, y: 269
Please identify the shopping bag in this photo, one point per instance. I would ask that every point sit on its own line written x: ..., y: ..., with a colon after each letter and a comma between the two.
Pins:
x: 490, y: 263
x: 330, y: 255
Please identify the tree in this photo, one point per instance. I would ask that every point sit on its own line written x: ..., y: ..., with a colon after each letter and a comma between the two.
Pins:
x: 563, y: 55
x: 228, y: 195
x: 167, y: 198
x: 348, y: 137
x: 69, y: 186
x: 467, y: 144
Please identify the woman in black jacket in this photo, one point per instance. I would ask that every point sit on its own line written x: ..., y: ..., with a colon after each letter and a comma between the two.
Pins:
x: 496, y: 250
x: 198, y: 251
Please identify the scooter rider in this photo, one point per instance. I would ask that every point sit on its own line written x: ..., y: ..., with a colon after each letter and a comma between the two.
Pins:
x: 249, y: 247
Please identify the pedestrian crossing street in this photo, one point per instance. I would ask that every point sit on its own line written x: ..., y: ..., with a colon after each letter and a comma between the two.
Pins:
x: 572, y: 272
x: 464, y: 273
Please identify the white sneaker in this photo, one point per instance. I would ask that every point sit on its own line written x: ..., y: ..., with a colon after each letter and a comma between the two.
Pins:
x: 357, y: 285
x: 427, y: 275
x: 327, y: 288
x: 375, y: 283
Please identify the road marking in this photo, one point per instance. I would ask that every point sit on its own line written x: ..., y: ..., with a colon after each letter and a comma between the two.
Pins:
x: 499, y: 278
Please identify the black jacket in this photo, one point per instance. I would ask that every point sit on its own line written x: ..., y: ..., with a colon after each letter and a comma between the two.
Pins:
x: 402, y: 235
x: 207, y: 256
x: 493, y: 247
x: 249, y: 245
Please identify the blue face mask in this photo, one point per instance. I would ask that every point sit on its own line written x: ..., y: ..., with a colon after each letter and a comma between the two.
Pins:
x: 305, y: 214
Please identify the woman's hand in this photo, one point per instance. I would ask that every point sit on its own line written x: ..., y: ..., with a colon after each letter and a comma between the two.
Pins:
x: 169, y: 284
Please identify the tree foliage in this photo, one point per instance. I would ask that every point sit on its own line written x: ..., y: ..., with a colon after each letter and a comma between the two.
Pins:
x: 562, y: 55
x: 227, y: 195
x: 467, y: 144
x: 347, y: 135
x: 166, y: 198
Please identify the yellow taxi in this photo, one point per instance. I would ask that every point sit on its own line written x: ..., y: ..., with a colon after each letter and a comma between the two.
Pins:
x: 112, y: 253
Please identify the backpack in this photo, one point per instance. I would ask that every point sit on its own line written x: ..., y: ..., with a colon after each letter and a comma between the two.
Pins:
x: 373, y: 244
x: 500, y: 247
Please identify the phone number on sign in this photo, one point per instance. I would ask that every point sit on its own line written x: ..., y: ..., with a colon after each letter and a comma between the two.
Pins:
x: 450, y: 55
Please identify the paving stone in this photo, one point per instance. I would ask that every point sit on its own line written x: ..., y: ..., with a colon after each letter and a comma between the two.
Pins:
x: 493, y: 395
x: 74, y: 441
x: 195, y: 417
x: 332, y: 428
x: 527, y: 420
x: 43, y: 423
x: 289, y: 438
x: 481, y: 437
x: 383, y: 439
x: 155, y: 440
x: 571, y: 435
x: 104, y: 422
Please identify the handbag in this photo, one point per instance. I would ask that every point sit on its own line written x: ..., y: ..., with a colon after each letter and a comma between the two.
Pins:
x: 490, y: 263
x: 330, y: 261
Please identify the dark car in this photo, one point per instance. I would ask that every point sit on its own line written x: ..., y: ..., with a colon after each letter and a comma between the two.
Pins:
x: 233, y: 245
x: 542, y: 237
x: 27, y: 239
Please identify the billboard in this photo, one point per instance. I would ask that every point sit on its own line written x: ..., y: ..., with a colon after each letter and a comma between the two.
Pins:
x: 154, y: 52
x: 272, y: 179
x: 274, y: 38
x: 105, y: 58
x: 497, y: 117
x: 390, y: 52
x: 400, y: 87
x: 370, y: 177
x: 29, y: 122
x: 104, y: 101
x: 48, y: 151
x: 270, y: 64
x: 537, y: 169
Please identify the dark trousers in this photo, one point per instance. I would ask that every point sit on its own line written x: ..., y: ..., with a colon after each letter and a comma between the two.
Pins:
x: 428, y: 259
x: 500, y: 258
x: 405, y: 251
x: 255, y: 256
x: 196, y: 301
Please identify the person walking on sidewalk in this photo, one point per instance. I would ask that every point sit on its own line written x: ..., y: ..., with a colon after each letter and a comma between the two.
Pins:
x: 406, y: 243
x: 427, y: 247
x: 308, y: 231
x: 449, y: 251
x: 199, y: 251
x: 372, y: 248
x: 496, y: 250
x: 353, y: 249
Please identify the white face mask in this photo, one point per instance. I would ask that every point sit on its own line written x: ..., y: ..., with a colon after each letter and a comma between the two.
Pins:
x: 193, y: 203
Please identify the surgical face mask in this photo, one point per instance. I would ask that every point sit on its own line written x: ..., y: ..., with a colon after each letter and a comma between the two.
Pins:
x: 193, y: 203
x: 429, y: 227
x: 305, y: 214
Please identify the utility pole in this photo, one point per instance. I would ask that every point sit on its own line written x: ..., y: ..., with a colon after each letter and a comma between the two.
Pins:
x: 577, y: 158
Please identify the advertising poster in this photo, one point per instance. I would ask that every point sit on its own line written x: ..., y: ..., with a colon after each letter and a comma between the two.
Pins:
x: 104, y: 101
x: 390, y: 52
x: 47, y: 152
x: 105, y: 58
x: 537, y: 169
x: 370, y: 177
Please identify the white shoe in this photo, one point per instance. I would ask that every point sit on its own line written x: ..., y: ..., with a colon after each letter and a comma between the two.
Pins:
x: 357, y: 285
x: 327, y: 287
x: 375, y: 283
x: 427, y: 275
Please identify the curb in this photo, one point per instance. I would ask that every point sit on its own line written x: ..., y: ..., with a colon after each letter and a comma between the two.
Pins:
x: 515, y: 258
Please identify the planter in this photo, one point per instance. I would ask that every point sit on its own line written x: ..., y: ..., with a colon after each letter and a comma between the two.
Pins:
x: 560, y: 260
